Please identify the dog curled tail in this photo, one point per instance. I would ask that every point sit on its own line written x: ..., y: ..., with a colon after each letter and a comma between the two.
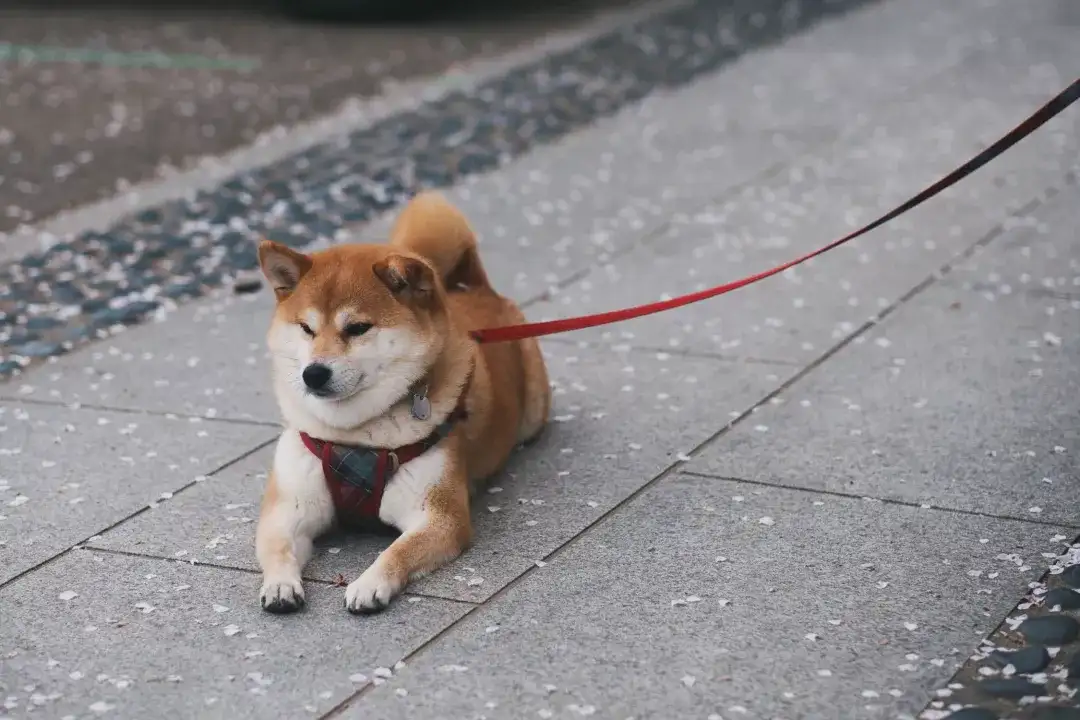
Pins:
x: 431, y: 227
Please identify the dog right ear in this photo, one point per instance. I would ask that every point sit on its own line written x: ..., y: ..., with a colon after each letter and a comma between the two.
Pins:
x: 282, y: 266
x: 407, y: 278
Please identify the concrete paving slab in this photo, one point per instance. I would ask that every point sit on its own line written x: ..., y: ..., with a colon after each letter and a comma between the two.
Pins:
x: 66, y: 474
x: 706, y: 598
x: 544, y: 223
x: 619, y: 419
x: 102, y: 635
x: 955, y: 401
x: 206, y: 359
x: 798, y: 315
x: 545, y: 218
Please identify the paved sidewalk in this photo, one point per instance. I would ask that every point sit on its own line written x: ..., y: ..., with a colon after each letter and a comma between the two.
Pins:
x: 846, y: 492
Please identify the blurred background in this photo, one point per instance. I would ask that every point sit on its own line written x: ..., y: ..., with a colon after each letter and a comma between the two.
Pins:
x: 100, y: 95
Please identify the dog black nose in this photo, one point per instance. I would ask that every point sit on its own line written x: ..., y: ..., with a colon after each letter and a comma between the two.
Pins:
x: 316, y: 375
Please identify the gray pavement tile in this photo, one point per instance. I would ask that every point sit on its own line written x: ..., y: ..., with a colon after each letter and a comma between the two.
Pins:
x: 796, y: 316
x: 550, y: 215
x: 955, y: 401
x: 1038, y: 254
x: 66, y: 473
x: 102, y: 635
x: 548, y: 218
x: 704, y: 596
x: 206, y: 359
x: 619, y: 419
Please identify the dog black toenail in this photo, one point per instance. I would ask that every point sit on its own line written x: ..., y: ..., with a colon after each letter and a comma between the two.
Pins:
x: 280, y: 606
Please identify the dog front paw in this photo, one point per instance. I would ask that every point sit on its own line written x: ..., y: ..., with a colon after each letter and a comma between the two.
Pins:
x: 371, y: 592
x: 281, y: 596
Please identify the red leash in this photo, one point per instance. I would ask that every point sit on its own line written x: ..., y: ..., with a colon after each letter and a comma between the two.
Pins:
x: 519, y: 332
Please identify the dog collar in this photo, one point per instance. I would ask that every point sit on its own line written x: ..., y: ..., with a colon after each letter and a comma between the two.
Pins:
x: 356, y: 475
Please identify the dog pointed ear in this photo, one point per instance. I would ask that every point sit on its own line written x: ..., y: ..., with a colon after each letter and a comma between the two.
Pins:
x: 408, y: 279
x: 282, y: 266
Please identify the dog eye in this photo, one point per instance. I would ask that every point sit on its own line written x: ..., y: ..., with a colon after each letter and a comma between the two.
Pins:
x: 307, y: 330
x: 356, y: 329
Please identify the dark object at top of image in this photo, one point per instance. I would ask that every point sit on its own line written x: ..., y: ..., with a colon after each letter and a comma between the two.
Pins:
x: 364, y: 10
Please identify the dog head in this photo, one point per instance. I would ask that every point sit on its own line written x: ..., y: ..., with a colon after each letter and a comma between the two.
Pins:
x: 355, y: 328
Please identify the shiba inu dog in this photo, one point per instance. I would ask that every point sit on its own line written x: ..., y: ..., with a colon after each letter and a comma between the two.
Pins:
x: 391, y: 410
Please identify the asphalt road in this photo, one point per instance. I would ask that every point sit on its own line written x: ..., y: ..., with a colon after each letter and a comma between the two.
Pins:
x: 99, y: 95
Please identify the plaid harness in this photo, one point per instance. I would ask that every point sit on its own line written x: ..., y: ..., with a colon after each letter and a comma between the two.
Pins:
x: 356, y: 476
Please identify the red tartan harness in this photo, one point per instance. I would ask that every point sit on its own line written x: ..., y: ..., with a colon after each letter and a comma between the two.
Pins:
x: 356, y: 476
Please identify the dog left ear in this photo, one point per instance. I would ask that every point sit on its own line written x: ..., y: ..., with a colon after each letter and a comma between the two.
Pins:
x: 282, y: 266
x: 409, y: 279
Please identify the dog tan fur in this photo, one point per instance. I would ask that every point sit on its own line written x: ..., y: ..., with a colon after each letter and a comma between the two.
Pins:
x: 376, y: 321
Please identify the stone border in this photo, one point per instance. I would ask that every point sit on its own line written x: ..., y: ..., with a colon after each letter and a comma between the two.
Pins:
x: 1029, y: 667
x: 97, y: 282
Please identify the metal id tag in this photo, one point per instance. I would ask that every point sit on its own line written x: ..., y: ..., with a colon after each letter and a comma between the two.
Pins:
x: 421, y: 406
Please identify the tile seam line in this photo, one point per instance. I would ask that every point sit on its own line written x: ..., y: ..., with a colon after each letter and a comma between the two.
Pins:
x: 145, y: 508
x: 1074, y: 525
x: 677, y: 352
x: 675, y: 467
x: 44, y: 402
x: 404, y: 96
x: 990, y: 633
x: 241, y: 570
x: 1030, y: 293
